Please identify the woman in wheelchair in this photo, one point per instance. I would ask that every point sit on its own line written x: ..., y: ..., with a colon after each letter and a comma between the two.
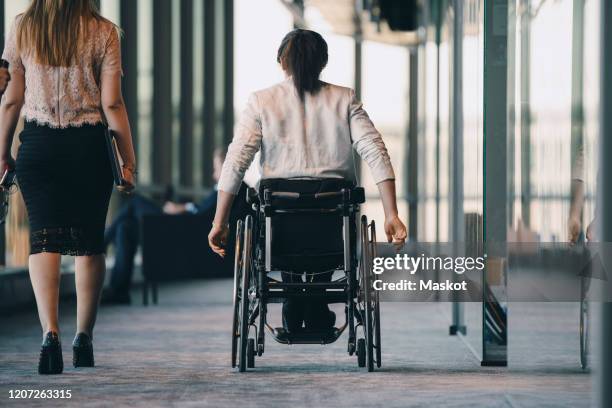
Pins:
x: 306, y: 130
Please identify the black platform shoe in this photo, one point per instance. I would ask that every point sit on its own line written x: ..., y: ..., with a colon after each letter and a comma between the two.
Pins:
x: 51, y: 361
x: 82, y: 351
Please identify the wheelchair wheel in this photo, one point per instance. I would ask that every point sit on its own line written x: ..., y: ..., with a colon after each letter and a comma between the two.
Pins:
x: 368, y: 296
x: 236, y: 299
x: 244, y: 300
x: 361, y: 353
x: 376, y: 300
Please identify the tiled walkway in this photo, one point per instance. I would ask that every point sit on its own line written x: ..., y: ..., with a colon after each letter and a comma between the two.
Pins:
x: 177, y: 354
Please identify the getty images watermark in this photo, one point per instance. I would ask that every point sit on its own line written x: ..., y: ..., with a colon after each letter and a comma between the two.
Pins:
x: 521, y: 272
x: 412, y: 264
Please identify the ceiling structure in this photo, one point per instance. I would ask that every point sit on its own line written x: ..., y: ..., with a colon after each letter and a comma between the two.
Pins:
x: 345, y: 19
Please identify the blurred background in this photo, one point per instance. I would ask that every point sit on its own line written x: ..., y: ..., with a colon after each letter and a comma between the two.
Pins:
x: 190, y: 66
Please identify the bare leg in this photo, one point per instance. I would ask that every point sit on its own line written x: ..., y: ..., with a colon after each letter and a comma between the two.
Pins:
x: 89, y: 281
x: 45, y: 278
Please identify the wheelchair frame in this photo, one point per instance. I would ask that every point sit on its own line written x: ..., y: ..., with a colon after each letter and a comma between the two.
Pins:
x: 254, y: 289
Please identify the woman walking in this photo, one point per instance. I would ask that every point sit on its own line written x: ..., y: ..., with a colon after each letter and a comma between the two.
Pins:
x: 65, y: 68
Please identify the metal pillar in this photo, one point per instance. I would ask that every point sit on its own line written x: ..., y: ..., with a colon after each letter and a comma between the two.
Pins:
x: 208, y: 115
x: 605, y: 201
x: 511, y: 106
x: 525, y: 50
x: 186, y: 100
x: 228, y: 45
x: 438, y: 19
x: 411, y: 179
x: 224, y: 70
x: 128, y: 16
x: 457, y: 226
x: 495, y: 334
x: 162, y: 92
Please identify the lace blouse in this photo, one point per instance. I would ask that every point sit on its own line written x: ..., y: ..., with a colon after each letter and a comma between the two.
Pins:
x: 62, y: 97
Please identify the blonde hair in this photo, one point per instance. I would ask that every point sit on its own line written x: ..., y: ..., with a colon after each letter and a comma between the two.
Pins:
x: 52, y: 30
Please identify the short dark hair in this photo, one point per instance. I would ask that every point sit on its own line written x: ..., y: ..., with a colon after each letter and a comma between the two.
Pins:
x: 303, y: 54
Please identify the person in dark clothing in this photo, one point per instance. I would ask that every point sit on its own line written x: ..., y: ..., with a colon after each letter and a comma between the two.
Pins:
x: 124, y: 232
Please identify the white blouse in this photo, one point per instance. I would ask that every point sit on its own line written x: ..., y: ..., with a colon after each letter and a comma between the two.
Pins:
x: 310, y: 139
x: 60, y: 97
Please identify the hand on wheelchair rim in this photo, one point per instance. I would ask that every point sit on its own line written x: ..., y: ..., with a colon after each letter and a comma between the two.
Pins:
x: 217, y: 239
x: 395, y: 230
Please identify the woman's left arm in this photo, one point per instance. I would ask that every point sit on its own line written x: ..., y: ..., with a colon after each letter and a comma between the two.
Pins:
x: 368, y: 142
x: 240, y: 154
x: 114, y: 109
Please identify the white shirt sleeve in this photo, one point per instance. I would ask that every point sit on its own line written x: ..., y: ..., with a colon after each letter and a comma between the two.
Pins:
x: 245, y: 144
x: 368, y: 142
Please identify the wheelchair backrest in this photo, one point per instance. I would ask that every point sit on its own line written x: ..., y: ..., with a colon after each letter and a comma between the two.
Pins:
x: 307, y: 219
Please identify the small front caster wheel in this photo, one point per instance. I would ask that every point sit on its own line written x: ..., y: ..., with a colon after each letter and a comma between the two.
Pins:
x: 351, y: 348
x: 361, y: 353
x: 251, y: 353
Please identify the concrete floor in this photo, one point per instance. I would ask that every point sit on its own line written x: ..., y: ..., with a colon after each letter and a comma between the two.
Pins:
x: 177, y: 354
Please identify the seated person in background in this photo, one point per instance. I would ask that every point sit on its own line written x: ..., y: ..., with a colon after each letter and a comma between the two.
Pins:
x: 305, y: 128
x: 124, y: 232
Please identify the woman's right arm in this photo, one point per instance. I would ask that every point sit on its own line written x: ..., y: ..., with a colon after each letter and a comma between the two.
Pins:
x: 114, y: 107
x: 240, y: 153
x: 12, y: 101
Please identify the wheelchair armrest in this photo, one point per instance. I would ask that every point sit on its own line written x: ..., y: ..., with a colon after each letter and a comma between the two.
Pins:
x: 329, y: 194
x: 286, y: 195
x: 356, y: 195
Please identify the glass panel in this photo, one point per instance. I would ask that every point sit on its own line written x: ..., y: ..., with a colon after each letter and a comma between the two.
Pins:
x: 443, y: 156
x: 554, y: 167
x: 385, y: 97
x: 550, y: 103
x: 435, y: 138
x: 255, y: 65
x: 427, y: 180
x: 473, y: 53
x: 590, y: 98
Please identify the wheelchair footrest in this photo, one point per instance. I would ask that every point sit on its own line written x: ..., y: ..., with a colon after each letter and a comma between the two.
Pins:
x: 306, y: 336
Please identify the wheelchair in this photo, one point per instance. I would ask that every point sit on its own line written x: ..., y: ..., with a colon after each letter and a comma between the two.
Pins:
x: 305, y: 228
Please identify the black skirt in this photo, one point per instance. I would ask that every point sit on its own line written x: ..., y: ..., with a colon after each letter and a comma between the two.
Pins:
x: 65, y: 178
